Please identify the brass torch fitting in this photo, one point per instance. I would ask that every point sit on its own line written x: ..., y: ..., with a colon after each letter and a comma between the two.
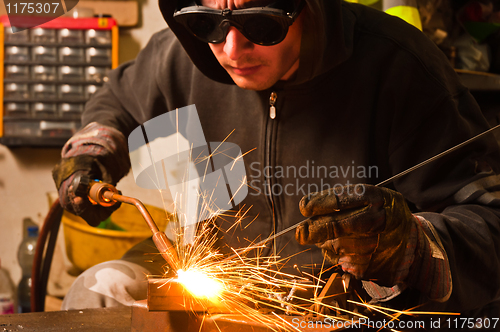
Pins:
x: 96, y: 193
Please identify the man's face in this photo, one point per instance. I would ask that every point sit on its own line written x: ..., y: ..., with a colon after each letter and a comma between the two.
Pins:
x: 252, y: 66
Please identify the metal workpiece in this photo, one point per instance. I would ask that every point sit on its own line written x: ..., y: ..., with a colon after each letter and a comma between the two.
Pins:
x: 171, y: 307
x: 145, y: 319
x: 168, y: 294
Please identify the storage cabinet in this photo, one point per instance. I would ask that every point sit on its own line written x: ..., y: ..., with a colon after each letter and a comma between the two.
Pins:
x: 48, y: 74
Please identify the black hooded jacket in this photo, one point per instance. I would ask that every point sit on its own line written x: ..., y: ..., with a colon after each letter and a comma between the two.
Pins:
x: 371, y: 98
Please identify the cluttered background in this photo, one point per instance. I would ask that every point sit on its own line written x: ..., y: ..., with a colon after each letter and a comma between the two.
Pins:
x: 468, y: 33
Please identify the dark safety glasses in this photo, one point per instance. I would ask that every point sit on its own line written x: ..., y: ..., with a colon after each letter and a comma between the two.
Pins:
x: 261, y: 25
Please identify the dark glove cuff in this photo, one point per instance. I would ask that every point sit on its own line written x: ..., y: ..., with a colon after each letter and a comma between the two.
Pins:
x: 98, y: 151
x: 68, y: 166
x: 430, y: 272
x: 106, y: 145
x: 81, y: 206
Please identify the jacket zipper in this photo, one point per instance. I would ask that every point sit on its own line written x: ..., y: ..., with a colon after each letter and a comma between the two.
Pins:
x: 267, y: 162
x: 272, y: 102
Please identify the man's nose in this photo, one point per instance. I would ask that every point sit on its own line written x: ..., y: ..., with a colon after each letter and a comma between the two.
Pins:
x: 236, y: 44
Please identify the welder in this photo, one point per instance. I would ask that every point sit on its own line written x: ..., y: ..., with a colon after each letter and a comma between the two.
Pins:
x: 313, y: 85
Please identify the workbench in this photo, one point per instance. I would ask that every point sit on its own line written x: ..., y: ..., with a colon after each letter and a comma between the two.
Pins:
x: 171, y: 308
x: 106, y: 319
x: 119, y: 319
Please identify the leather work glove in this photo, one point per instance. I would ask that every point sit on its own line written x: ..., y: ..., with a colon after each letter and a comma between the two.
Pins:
x: 97, y: 151
x: 371, y: 233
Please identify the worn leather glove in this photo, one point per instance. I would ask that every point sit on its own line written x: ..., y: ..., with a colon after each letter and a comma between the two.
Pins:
x: 372, y: 234
x: 99, y: 152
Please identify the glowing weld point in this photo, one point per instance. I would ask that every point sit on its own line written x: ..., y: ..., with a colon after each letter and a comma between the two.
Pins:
x: 199, y: 284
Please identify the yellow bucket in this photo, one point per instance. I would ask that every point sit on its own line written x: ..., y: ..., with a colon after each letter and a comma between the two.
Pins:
x: 87, y: 246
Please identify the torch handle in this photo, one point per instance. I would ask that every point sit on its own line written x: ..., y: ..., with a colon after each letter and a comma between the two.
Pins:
x: 105, y: 194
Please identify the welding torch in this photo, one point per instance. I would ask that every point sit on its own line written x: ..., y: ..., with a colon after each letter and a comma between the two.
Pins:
x: 106, y: 195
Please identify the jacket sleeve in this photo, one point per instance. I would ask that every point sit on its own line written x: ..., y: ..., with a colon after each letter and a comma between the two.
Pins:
x: 458, y: 194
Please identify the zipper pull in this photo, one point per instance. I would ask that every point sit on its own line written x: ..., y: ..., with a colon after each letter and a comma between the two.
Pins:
x: 272, y: 101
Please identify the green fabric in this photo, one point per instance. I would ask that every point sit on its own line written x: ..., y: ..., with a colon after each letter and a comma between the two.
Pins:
x: 109, y: 224
x: 481, y: 30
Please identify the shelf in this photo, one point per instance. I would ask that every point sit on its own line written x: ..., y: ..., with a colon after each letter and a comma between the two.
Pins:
x: 57, y: 44
x: 479, y: 81
x: 45, y: 90
x: 55, y: 142
x: 55, y: 82
x: 38, y: 132
x: 57, y: 63
x: 48, y: 101
x: 61, y: 119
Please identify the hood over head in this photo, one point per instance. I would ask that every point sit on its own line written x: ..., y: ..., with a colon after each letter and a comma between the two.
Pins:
x: 326, y: 41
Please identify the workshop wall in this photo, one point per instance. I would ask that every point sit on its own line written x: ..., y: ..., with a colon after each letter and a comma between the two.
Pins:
x: 25, y: 173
